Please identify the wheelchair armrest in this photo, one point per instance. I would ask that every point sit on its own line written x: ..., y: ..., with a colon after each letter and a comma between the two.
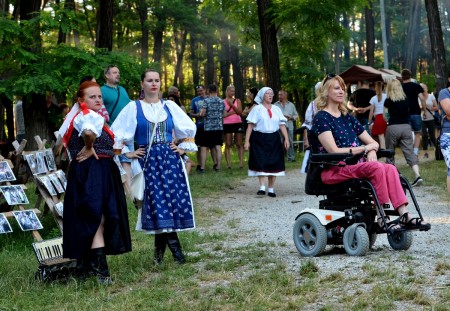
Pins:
x: 385, y: 153
x: 335, y: 158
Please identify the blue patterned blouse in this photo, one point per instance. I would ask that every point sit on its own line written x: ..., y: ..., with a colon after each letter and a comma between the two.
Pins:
x: 345, y: 130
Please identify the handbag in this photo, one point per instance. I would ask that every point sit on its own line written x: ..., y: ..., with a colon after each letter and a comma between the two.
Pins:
x: 138, y: 180
x: 436, y: 117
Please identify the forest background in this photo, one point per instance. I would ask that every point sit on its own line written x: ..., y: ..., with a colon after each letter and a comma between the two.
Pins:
x: 47, y: 46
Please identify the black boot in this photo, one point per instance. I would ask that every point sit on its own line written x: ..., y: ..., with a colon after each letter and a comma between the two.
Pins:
x: 99, y: 266
x: 83, y: 267
x: 175, y: 247
x: 160, y: 247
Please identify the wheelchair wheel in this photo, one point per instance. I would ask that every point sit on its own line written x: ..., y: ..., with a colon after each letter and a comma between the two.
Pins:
x: 310, y: 236
x: 400, y: 241
x: 359, y: 245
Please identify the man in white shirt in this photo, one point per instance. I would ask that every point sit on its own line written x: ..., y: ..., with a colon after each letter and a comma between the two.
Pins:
x: 290, y: 113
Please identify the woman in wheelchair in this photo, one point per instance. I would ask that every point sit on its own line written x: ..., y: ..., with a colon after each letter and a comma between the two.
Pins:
x: 335, y: 130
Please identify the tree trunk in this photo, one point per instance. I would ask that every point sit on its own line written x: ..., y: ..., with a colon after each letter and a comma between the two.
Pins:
x: 238, y: 78
x: 410, y: 56
x: 345, y: 24
x: 34, y: 105
x: 143, y: 14
x: 105, y: 17
x: 180, y: 48
x: 209, y: 69
x: 194, y: 60
x: 370, y: 35
x: 68, y: 5
x: 437, y: 43
x: 269, y: 45
x: 4, y: 6
x: 88, y: 24
x: 224, y: 59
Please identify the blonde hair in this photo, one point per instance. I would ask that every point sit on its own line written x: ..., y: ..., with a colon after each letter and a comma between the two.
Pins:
x: 394, y: 91
x: 231, y: 86
x: 322, y: 93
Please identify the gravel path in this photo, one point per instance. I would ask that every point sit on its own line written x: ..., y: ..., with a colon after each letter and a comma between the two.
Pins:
x: 261, y: 218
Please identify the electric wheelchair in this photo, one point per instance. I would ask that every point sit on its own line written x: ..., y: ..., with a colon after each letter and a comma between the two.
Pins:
x: 347, y: 214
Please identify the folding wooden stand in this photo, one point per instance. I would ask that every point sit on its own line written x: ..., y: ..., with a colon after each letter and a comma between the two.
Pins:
x: 48, y: 252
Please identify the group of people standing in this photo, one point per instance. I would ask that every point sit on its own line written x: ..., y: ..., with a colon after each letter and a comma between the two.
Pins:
x: 95, y: 218
x: 220, y: 120
x: 410, y: 109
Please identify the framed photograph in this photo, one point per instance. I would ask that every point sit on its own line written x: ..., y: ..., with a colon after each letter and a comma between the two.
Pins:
x: 41, y: 167
x: 51, y: 164
x: 56, y: 183
x: 59, y: 207
x: 6, y: 174
x: 5, y: 227
x: 62, y: 178
x: 48, y: 184
x: 27, y: 220
x: 14, y: 195
x: 32, y: 162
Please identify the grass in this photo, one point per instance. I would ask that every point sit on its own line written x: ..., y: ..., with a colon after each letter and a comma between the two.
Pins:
x: 218, y: 275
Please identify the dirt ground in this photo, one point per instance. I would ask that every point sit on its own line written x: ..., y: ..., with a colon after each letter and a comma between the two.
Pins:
x: 261, y: 218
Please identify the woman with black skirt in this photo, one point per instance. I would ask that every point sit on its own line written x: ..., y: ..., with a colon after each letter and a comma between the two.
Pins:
x: 264, y: 141
x: 95, y: 218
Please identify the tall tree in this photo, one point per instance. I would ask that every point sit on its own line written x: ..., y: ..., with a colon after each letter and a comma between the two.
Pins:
x: 105, y: 17
x: 224, y: 59
x: 269, y: 45
x: 238, y: 80
x: 35, y: 105
x: 411, y: 50
x: 370, y: 35
x: 142, y: 8
x: 158, y: 31
x: 437, y: 43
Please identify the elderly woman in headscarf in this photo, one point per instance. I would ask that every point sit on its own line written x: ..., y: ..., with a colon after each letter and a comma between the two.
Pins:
x: 264, y: 141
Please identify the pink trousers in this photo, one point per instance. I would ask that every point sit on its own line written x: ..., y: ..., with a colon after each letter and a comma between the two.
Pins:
x: 384, y: 178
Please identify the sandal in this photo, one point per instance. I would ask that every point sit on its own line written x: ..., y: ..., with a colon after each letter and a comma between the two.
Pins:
x: 392, y: 226
x: 413, y: 223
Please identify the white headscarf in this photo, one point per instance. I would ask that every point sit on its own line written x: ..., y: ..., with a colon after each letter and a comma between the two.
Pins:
x: 260, y: 96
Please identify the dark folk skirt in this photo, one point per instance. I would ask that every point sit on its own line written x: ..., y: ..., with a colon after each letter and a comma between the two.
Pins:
x: 266, y: 153
x: 94, y: 188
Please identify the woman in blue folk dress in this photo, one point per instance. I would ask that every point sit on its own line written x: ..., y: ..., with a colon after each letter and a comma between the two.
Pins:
x: 167, y: 207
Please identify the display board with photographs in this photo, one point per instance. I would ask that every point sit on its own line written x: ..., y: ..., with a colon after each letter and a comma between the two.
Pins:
x: 32, y: 163
x: 45, y: 180
x: 55, y: 180
x: 5, y: 227
x: 14, y: 195
x: 59, y: 207
x: 6, y: 173
x: 62, y: 178
x: 40, y: 159
x: 50, y: 159
x: 27, y: 220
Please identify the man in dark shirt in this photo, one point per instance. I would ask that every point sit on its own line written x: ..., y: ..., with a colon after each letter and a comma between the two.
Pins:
x: 414, y: 93
x: 359, y: 103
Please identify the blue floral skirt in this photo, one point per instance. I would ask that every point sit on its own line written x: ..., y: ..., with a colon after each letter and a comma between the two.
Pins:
x: 167, y: 202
